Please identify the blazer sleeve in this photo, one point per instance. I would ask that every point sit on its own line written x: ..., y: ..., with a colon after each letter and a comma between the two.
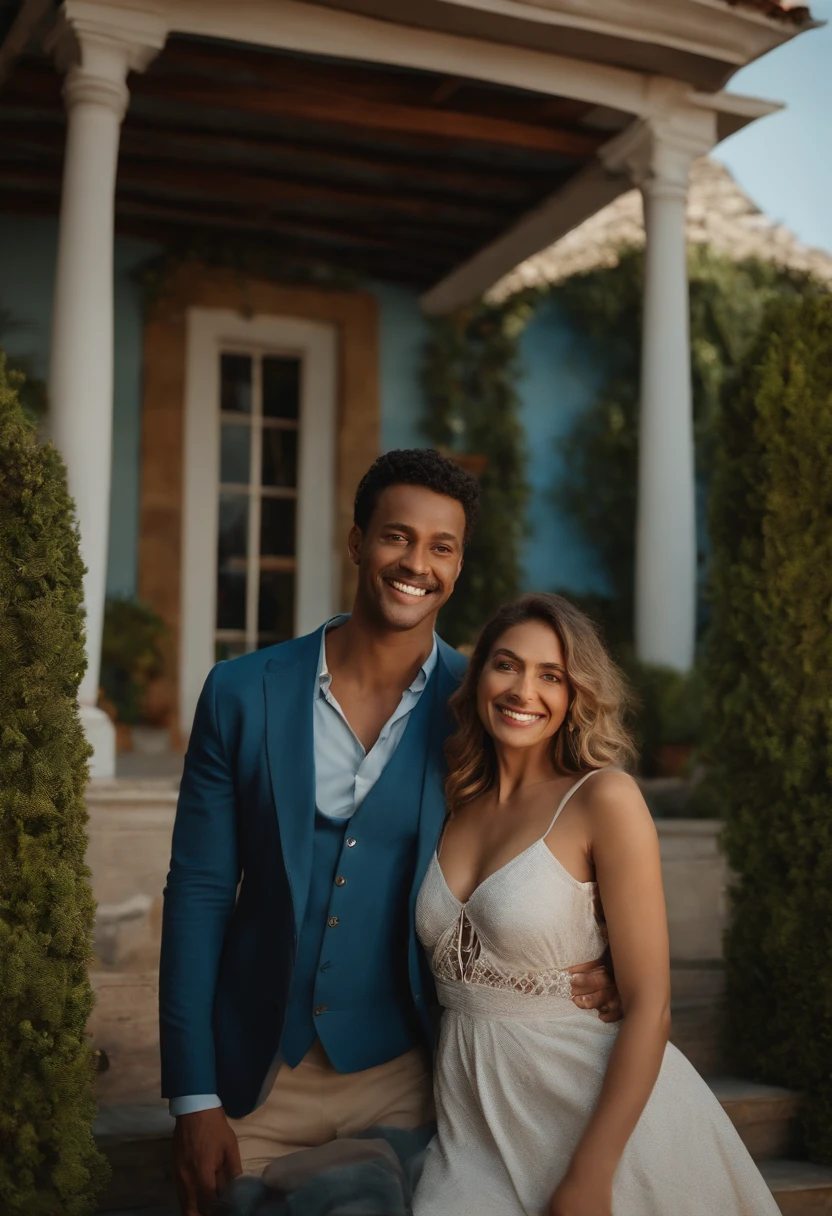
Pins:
x: 199, y: 899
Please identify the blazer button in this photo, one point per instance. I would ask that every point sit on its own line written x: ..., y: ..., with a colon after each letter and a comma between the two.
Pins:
x: 351, y: 842
x: 340, y: 881
x: 332, y: 922
x: 319, y: 1009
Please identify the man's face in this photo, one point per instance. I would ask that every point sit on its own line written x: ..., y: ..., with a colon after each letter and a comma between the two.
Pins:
x: 410, y: 556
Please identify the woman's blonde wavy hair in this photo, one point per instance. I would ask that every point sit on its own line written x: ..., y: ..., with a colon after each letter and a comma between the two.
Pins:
x: 593, y: 734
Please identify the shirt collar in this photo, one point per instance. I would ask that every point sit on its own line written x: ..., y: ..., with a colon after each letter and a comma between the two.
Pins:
x: 420, y: 679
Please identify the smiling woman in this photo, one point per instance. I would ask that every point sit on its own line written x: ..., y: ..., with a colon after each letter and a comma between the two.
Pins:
x: 569, y: 692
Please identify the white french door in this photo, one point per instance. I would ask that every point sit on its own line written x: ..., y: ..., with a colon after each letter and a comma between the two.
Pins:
x: 258, y: 547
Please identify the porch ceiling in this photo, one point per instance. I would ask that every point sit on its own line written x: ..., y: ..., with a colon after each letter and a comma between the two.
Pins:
x: 387, y: 172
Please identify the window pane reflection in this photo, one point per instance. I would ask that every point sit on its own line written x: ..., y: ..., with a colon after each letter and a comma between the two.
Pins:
x: 276, y: 609
x: 235, y: 454
x: 281, y: 387
x: 280, y: 457
x: 233, y: 529
x: 235, y: 383
x: 277, y: 527
x: 231, y: 600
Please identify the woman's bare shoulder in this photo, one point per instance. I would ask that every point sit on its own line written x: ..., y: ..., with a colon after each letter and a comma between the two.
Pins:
x: 610, y: 795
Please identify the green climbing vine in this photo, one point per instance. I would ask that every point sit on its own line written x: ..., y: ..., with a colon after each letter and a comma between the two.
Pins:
x: 470, y: 375
x: 597, y: 490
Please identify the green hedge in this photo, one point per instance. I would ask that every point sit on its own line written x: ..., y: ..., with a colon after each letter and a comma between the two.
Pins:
x: 769, y: 674
x: 49, y: 1164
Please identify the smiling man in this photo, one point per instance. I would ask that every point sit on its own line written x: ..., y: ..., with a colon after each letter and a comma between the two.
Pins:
x: 294, y: 998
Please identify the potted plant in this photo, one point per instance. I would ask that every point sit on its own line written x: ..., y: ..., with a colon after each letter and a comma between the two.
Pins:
x: 668, y: 718
x: 131, y: 657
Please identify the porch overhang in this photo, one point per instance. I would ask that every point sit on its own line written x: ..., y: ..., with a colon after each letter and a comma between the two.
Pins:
x: 438, y: 147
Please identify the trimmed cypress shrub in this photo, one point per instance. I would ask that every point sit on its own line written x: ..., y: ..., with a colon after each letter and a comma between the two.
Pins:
x: 769, y: 672
x: 49, y: 1163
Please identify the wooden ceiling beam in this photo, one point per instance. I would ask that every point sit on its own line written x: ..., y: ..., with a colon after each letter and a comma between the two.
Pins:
x: 152, y: 157
x: 38, y: 84
x: 242, y: 188
x: 36, y: 182
x: 345, y: 112
x: 152, y: 141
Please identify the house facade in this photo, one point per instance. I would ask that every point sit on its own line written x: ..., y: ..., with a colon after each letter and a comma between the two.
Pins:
x: 228, y: 224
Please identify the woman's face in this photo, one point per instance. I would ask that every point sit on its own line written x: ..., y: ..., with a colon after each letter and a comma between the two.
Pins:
x: 523, y: 694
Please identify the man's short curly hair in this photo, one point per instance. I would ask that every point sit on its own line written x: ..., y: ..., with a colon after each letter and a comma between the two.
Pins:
x: 417, y: 467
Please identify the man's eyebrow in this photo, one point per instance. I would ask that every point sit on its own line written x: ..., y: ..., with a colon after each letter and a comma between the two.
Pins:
x: 434, y: 536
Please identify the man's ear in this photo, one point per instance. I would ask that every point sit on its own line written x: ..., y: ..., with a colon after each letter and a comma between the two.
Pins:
x: 354, y: 540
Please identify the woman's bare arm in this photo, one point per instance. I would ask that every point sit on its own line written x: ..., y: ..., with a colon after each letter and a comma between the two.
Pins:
x: 625, y: 850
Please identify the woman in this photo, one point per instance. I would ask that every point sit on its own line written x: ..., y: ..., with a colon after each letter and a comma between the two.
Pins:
x: 548, y: 855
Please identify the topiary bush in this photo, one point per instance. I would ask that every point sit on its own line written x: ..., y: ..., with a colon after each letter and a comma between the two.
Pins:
x: 49, y: 1164
x: 769, y: 675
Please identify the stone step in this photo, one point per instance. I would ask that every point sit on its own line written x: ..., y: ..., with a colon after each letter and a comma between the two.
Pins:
x: 801, y: 1189
x: 764, y: 1115
x: 125, y: 1026
x: 696, y: 994
x: 136, y: 1140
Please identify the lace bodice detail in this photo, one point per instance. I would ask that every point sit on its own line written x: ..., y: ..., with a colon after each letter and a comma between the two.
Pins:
x: 520, y: 930
x: 459, y: 958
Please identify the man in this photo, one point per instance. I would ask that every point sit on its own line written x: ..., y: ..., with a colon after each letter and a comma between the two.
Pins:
x: 294, y: 997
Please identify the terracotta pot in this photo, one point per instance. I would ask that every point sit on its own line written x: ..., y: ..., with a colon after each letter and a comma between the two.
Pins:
x: 674, y: 759
x: 124, y: 737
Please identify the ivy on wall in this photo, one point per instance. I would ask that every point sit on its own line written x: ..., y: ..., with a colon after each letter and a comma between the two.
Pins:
x: 598, y: 488
x: 470, y: 375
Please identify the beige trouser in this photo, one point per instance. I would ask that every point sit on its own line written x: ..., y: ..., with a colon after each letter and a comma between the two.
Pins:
x: 313, y: 1104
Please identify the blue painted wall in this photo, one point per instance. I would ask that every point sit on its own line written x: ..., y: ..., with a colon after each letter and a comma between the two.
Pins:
x: 27, y: 262
x: 558, y: 383
x: 403, y: 332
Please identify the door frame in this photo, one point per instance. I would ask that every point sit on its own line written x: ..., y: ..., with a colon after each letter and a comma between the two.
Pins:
x: 209, y: 330
x: 184, y: 285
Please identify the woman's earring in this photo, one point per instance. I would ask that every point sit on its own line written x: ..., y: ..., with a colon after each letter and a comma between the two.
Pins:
x: 571, y: 723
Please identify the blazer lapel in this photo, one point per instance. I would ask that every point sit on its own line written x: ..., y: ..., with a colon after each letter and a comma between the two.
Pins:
x: 432, y: 813
x: 290, y: 685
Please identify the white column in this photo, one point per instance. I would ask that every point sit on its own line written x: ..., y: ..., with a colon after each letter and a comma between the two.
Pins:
x: 97, y: 55
x: 658, y: 155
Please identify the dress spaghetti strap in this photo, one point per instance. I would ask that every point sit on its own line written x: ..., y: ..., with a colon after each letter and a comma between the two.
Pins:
x: 569, y: 794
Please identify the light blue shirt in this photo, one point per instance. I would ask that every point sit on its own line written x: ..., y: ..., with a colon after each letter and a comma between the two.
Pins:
x: 344, y: 771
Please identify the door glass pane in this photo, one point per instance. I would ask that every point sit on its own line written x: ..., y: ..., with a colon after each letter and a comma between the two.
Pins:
x: 233, y: 530
x: 276, y: 609
x: 281, y: 387
x: 277, y: 528
x: 280, y: 457
x: 235, y: 453
x: 231, y: 599
x: 228, y: 650
x: 235, y: 383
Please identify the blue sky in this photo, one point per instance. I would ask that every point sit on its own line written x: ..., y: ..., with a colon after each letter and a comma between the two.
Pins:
x: 784, y: 162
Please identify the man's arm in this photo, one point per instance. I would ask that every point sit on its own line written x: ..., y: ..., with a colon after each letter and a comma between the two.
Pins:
x: 199, y: 899
x: 594, y: 987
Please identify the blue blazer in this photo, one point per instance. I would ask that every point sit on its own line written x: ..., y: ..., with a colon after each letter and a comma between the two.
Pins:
x: 241, y: 868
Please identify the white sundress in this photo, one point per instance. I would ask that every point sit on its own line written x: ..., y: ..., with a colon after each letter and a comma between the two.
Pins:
x: 519, y: 1067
